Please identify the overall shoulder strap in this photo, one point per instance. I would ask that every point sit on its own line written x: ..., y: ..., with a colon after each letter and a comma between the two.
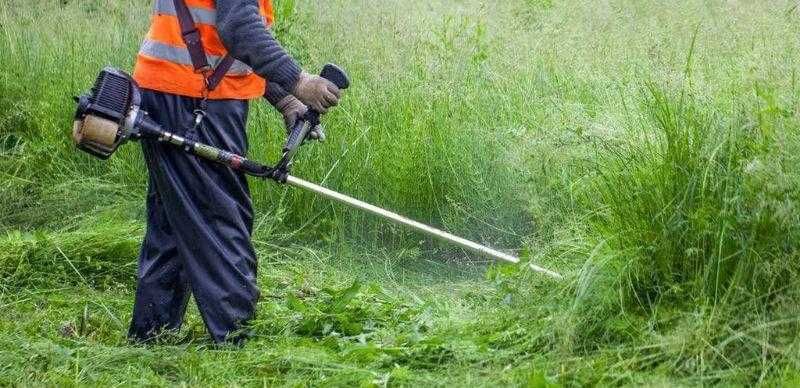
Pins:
x: 191, y: 37
x: 219, y: 73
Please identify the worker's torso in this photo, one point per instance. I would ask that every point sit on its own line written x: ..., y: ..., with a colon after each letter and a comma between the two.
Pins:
x: 164, y: 64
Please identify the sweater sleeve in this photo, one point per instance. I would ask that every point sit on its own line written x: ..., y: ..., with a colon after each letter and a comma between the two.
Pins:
x: 275, y: 93
x: 247, y: 38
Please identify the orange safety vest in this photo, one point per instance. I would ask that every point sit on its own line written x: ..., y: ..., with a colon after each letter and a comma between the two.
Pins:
x: 164, y: 64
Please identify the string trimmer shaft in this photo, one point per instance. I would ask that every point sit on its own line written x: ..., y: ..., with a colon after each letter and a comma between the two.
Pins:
x: 110, y: 115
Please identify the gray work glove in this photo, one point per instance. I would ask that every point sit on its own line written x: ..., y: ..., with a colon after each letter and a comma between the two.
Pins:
x: 292, y: 110
x: 316, y: 92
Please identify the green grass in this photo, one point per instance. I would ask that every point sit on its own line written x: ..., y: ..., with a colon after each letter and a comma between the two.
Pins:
x: 647, y: 150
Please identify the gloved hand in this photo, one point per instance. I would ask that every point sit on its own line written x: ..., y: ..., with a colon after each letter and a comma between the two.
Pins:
x: 316, y: 92
x: 292, y: 110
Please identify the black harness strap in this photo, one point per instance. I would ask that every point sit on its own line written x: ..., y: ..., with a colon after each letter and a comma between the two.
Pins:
x: 191, y: 37
x: 219, y: 73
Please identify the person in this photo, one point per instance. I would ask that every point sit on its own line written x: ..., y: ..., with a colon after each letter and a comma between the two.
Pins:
x: 199, y: 214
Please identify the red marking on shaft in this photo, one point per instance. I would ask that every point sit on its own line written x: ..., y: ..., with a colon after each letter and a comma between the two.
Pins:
x: 236, y: 162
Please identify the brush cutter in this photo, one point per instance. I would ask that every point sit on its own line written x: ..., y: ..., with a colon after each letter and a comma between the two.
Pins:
x: 110, y: 115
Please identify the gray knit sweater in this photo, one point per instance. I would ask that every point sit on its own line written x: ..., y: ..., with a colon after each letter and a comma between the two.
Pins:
x: 247, y: 38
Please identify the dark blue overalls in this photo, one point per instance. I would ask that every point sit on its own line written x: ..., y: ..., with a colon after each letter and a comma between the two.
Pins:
x: 199, y: 223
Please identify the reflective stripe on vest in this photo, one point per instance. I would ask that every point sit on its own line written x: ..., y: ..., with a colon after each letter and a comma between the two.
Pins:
x: 180, y: 55
x: 200, y: 15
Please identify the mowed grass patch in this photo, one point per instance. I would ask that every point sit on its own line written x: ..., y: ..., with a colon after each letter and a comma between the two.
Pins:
x: 317, y: 322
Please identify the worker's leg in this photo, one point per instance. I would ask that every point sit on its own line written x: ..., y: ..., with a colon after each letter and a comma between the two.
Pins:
x: 163, y: 288
x: 209, y: 210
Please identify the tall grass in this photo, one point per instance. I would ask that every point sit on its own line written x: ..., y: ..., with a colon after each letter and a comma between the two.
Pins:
x: 685, y: 206
x: 403, y: 133
x: 688, y: 257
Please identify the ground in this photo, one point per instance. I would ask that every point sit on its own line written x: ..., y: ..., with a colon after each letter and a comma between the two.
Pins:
x: 646, y: 150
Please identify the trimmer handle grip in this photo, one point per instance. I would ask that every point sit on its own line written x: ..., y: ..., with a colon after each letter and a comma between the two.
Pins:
x: 297, y: 135
x: 336, y: 75
x: 300, y: 131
